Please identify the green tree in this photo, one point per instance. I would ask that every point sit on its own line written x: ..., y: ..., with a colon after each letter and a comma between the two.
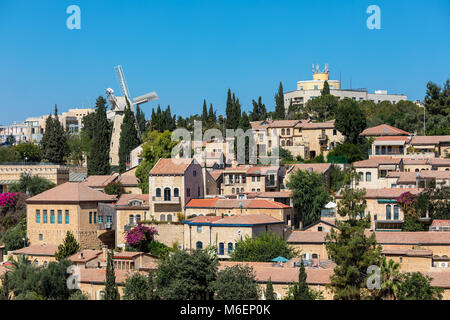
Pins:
x: 69, y: 247
x: 111, y: 290
x: 269, y: 294
x: 98, y: 158
x: 236, y: 283
x: 52, y: 282
x: 437, y: 99
x: 322, y: 107
x: 326, y: 89
x: 54, y: 141
x: 187, y: 276
x: 348, y: 152
x: 28, y: 152
x: 31, y: 185
x: 114, y: 188
x: 259, y: 112
x: 205, y: 113
x: 350, y: 120
x: 79, y: 295
x: 300, y: 290
x: 156, y: 145
x: 263, y: 248
x: 7, y: 154
x: 280, y: 111
x: 136, y: 287
x: 128, y: 138
x: 140, y: 117
x: 76, y: 154
x: 350, y: 249
x: 310, y: 195
x: 16, y: 237
x: 416, y: 286
x: 390, y: 279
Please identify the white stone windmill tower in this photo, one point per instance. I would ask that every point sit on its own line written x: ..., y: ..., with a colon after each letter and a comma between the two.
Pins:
x: 115, y: 114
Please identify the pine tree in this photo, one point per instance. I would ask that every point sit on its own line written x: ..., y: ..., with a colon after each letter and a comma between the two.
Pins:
x: 54, y: 141
x: 280, y: 111
x: 111, y: 291
x: 269, y: 294
x: 69, y: 247
x: 326, y: 89
x: 98, y: 160
x: 128, y: 138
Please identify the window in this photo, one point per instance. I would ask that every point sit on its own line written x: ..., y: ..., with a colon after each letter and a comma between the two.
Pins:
x: 100, y: 219
x: 288, y: 131
x: 95, y: 217
x: 52, y: 216
x: 109, y: 219
x: 232, y: 190
x: 158, y: 192
x: 166, y: 194
x: 67, y: 216
x: 195, y: 173
x: 90, y: 217
x: 361, y: 176
x: 389, y: 149
x: 198, y: 191
x: 176, y: 192
x: 199, y: 245
x: 138, y: 218
x: 388, y: 212
x: 253, y: 179
x: 45, y: 216
x: 131, y: 219
x: 41, y: 237
x: 368, y: 176
x: 396, y: 212
x: 221, y: 249
x: 199, y: 229
x: 162, y: 217
x: 38, y: 216
x: 258, y: 178
x: 315, y: 256
x: 188, y: 192
x: 319, y: 228
x: 282, y: 132
x: 59, y: 216
x: 316, y: 87
x: 169, y: 217
x: 230, y: 247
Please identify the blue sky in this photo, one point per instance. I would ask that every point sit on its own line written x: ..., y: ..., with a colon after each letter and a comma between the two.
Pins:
x: 190, y: 50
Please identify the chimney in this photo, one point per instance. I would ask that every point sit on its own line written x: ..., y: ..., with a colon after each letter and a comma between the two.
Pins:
x: 80, y: 255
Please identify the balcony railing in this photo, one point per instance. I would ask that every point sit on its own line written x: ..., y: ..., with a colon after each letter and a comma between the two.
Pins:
x: 170, y: 200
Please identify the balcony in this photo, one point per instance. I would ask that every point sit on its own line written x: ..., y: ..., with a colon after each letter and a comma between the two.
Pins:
x: 323, y: 137
x: 105, y: 226
x: 166, y: 200
x: 128, y: 227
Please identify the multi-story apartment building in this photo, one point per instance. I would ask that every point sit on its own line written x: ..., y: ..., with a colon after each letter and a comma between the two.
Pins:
x: 246, y: 178
x: 71, y: 120
x: 172, y: 183
x: 68, y: 207
x: 311, y: 89
x: 301, y: 137
x: 28, y: 131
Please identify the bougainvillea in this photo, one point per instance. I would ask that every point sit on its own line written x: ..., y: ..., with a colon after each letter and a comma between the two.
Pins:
x: 406, y: 200
x: 408, y: 203
x: 140, y: 236
x: 8, y: 199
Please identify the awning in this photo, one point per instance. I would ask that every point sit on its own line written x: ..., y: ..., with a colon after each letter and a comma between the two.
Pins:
x: 389, y: 143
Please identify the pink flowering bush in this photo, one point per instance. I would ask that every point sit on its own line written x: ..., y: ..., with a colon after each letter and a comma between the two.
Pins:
x: 8, y: 200
x: 140, y: 236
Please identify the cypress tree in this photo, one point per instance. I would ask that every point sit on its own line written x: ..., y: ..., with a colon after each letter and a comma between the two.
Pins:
x: 153, y: 121
x: 128, y: 138
x: 280, y: 111
x: 111, y: 291
x: 204, y: 114
x: 236, y: 113
x: 326, y: 89
x: 259, y: 111
x: 140, y: 117
x: 301, y: 290
x: 211, y: 115
x: 98, y: 159
x: 54, y: 141
x: 229, y: 111
x: 269, y: 294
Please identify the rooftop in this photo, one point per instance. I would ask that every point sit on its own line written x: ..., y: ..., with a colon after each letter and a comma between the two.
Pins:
x: 384, y: 130
x: 171, y: 166
x: 38, y: 250
x: 235, y: 203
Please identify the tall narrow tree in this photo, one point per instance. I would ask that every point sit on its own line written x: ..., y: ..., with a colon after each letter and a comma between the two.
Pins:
x: 98, y: 159
x: 280, y: 111
x: 111, y: 291
x: 128, y: 138
x: 54, y: 141
x: 204, y: 113
x: 229, y: 111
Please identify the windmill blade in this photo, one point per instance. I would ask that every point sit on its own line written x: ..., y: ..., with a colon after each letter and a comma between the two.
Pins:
x: 146, y: 98
x: 121, y: 80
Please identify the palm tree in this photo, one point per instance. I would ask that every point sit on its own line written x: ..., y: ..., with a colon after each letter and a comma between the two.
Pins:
x: 390, y: 279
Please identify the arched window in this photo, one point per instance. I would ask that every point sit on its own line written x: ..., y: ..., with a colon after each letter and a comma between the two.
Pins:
x: 221, y: 249
x: 162, y: 217
x: 388, y: 212
x: 315, y: 256
x: 131, y: 219
x: 396, y: 212
x: 232, y: 190
x: 368, y: 176
x: 166, y: 194
x: 283, y: 143
x: 199, y: 245
x: 169, y: 217
x: 138, y: 218
x: 282, y: 132
x: 176, y: 192
x: 288, y: 143
x: 230, y: 247
x: 158, y: 192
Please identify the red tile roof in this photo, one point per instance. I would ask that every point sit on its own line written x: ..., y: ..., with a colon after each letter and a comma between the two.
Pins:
x: 128, y: 180
x: 234, y: 203
x: 93, y: 275
x: 171, y: 166
x: 440, y: 223
x: 315, y: 167
x: 86, y: 255
x: 100, y: 181
x: 374, y: 162
x: 127, y: 197
x: 38, y: 250
x: 386, y: 193
x: 71, y: 192
x: 384, y: 130
x: 315, y: 125
x: 418, y: 140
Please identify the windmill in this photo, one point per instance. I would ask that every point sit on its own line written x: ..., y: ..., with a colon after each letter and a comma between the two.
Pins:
x: 118, y: 104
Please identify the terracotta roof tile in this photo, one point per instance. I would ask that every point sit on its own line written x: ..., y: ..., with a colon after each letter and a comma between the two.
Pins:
x: 417, y: 140
x: 315, y: 125
x: 374, y: 162
x: 93, y: 275
x: 171, y: 166
x: 315, y: 167
x: 440, y: 223
x: 386, y: 193
x: 127, y: 197
x: 71, y: 192
x: 100, y: 180
x: 384, y: 130
x: 87, y: 255
x: 234, y: 203
x: 38, y: 250
x: 128, y: 180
